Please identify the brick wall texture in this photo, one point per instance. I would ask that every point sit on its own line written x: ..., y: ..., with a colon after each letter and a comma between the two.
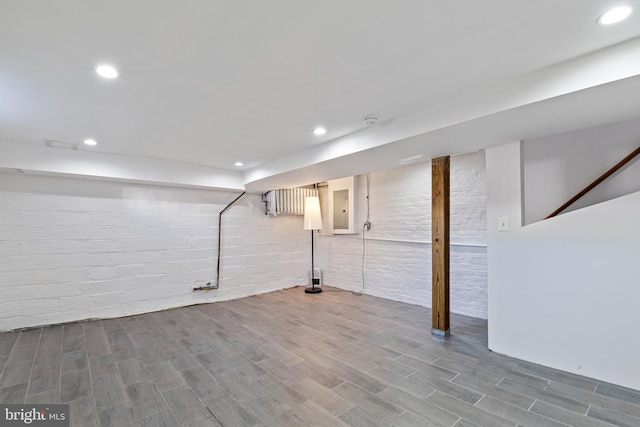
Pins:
x: 397, y: 249
x: 74, y: 249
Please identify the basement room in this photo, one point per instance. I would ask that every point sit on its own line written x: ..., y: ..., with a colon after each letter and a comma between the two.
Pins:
x: 340, y: 213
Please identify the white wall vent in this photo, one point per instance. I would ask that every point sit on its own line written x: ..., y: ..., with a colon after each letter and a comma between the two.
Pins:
x: 287, y: 201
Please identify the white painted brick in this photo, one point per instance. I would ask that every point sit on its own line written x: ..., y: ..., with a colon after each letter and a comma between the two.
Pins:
x: 73, y: 249
x: 77, y: 249
x: 398, y: 249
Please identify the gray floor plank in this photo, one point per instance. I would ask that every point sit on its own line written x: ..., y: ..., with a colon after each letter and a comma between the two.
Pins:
x: 544, y: 395
x: 29, y: 337
x: 44, y: 379
x: 133, y: 371
x: 166, y: 376
x: 118, y: 416
x: 146, y: 399
x: 185, y: 405
x: 102, y: 366
x: 427, y: 368
x: 83, y: 411
x: 7, y: 341
x: 405, y: 384
x: 358, y: 417
x: 567, y: 378
x: 124, y: 351
x: 467, y: 411
x: 322, y: 396
x: 271, y: 412
x: 613, y: 417
x: 482, y: 383
x: 369, y: 402
x: 16, y: 373
x: 280, y: 391
x: 518, y: 415
x: 51, y: 396
x: 258, y: 362
x: 76, y: 385
x: 201, y: 381
x: 109, y: 392
x: 310, y: 413
x: 213, y: 362
x: 357, y: 377
x: 74, y: 361
x: 618, y: 392
x: 409, y: 419
x: 13, y: 393
x: 454, y: 390
x: 434, y: 415
x: 319, y: 375
x: 595, y: 399
x: 565, y: 416
x: 228, y: 411
x: 285, y: 373
x: 72, y: 343
x: 465, y: 423
x: 163, y: 419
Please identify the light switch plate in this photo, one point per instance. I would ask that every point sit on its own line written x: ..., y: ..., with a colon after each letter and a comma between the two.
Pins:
x: 503, y: 223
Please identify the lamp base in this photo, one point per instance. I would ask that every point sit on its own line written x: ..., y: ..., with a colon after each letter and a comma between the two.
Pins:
x: 312, y: 290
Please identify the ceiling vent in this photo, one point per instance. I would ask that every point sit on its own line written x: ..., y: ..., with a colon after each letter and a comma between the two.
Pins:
x: 61, y: 144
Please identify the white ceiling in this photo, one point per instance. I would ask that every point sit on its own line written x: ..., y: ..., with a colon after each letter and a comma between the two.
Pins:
x: 209, y: 83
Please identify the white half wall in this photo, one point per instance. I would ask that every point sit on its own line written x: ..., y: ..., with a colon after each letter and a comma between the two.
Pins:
x: 397, y: 262
x: 563, y: 292
x: 72, y: 249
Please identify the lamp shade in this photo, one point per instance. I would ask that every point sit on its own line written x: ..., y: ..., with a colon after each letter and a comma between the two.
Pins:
x: 312, y: 216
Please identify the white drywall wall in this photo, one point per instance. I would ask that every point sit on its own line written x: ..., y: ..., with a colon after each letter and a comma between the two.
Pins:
x: 72, y: 249
x: 564, y: 292
x: 557, y: 167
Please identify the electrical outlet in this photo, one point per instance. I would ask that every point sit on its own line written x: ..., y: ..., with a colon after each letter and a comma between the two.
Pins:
x: 503, y: 223
x: 367, y: 225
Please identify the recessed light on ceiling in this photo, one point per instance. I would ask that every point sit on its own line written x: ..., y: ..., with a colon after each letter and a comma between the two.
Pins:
x: 614, y: 15
x: 319, y: 131
x: 238, y: 164
x: 107, y: 71
x: 90, y: 141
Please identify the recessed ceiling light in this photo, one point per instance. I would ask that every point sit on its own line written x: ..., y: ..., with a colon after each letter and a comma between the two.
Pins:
x: 319, y: 131
x: 90, y: 141
x: 107, y: 71
x: 614, y: 15
x: 238, y: 164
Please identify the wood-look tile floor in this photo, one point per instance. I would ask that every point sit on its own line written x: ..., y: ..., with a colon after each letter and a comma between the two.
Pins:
x: 291, y: 359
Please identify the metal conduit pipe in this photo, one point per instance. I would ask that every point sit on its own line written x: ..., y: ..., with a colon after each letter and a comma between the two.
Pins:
x: 208, y: 286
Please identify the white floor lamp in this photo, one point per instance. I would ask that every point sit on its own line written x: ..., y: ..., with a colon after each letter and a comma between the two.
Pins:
x: 312, y: 221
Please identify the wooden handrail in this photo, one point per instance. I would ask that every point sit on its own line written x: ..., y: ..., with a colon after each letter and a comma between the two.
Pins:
x: 591, y: 186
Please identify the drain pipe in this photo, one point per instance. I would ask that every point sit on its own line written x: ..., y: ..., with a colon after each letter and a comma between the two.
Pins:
x: 208, y: 286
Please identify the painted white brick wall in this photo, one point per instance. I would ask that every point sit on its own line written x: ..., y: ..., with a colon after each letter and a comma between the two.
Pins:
x: 73, y: 249
x: 398, y: 247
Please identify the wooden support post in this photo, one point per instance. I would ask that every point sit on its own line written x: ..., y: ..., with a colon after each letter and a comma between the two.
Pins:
x: 440, y: 246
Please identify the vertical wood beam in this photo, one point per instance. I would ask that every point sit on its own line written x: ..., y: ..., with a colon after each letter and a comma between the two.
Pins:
x: 440, y: 246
